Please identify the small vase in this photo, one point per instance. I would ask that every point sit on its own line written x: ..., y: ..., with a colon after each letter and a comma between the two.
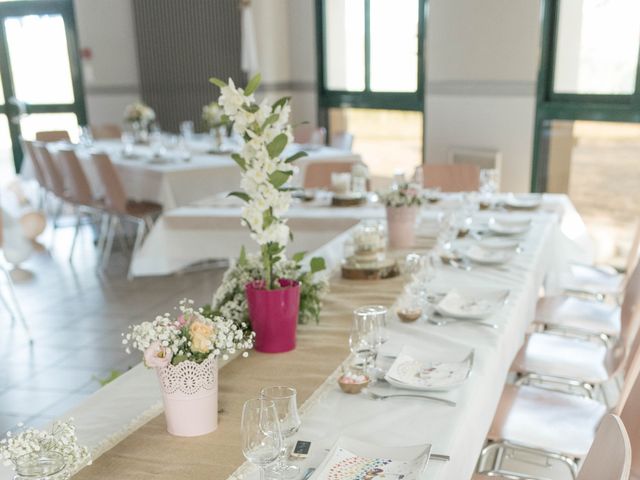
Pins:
x: 140, y: 133
x: 401, y: 223
x: 190, y: 396
x: 274, y: 315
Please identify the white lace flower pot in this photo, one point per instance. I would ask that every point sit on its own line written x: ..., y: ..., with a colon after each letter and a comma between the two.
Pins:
x: 190, y: 395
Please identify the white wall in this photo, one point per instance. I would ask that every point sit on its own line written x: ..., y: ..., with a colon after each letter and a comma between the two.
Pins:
x: 111, y: 76
x: 482, y: 61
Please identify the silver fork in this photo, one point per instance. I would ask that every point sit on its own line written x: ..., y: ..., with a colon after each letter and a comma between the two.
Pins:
x: 379, y: 396
x: 441, y: 321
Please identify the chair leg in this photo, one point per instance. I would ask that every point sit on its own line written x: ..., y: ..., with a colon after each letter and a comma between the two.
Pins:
x: 104, y: 230
x: 16, y: 305
x: 136, y: 246
x: 7, y: 307
x: 109, y: 245
x: 75, y: 233
x: 57, y: 213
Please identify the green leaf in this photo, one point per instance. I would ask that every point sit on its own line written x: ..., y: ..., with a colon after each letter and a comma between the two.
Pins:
x: 253, y: 108
x: 277, y: 145
x: 267, y: 220
x: 240, y: 161
x: 317, y: 264
x: 217, y: 82
x: 270, y: 119
x: 253, y: 84
x: 242, y: 259
x: 240, y: 195
x: 295, y: 157
x: 280, y: 102
x: 298, y: 257
x: 279, y: 178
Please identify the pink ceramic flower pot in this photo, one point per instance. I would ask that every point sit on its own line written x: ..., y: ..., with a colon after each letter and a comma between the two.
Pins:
x: 274, y: 315
x: 401, y: 225
x: 190, y: 396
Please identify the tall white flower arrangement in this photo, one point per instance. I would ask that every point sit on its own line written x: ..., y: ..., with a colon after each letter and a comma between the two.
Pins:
x: 266, y: 131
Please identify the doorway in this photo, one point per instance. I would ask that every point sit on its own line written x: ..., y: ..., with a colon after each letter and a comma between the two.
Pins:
x: 40, y: 77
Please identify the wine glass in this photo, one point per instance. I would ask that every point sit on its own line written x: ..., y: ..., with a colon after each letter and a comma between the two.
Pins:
x: 260, y: 430
x: 284, y: 399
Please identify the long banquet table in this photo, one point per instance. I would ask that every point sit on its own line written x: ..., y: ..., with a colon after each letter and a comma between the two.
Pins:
x: 123, y: 425
x: 211, y: 229
x: 173, y: 182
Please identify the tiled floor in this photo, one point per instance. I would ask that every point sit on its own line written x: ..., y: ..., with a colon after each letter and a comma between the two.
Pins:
x: 77, y: 318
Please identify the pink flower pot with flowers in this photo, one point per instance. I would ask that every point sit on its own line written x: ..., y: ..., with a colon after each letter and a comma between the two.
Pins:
x: 401, y: 223
x: 274, y: 315
x: 190, y: 397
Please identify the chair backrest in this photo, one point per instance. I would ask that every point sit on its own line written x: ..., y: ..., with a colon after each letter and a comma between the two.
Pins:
x: 318, y: 174
x: 629, y: 411
x: 78, y: 187
x: 634, y: 252
x: 342, y: 140
x: 115, y: 196
x: 452, y: 178
x: 27, y: 146
x: 107, y: 131
x: 609, y: 457
x: 55, y: 180
x: 310, y: 135
x: 53, y: 136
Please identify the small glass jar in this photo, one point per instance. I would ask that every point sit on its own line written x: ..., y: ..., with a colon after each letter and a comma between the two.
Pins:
x: 370, y: 242
x: 42, y: 465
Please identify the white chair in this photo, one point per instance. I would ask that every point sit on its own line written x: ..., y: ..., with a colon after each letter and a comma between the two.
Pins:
x: 609, y: 457
x: 342, y: 141
x: 10, y: 302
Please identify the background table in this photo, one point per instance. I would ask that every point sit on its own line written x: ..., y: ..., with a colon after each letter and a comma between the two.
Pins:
x: 173, y: 182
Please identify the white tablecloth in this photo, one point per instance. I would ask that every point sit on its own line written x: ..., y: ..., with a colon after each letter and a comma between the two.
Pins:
x: 212, y: 229
x: 172, y: 182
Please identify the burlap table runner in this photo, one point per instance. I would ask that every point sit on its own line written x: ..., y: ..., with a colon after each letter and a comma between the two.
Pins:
x: 150, y: 452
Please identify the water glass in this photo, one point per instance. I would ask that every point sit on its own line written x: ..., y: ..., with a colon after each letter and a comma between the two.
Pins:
x: 128, y: 140
x: 186, y: 130
x: 260, y: 431
x: 368, y: 332
x: 285, y: 401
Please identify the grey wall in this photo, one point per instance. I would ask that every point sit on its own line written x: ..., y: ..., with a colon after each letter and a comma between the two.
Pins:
x: 180, y: 45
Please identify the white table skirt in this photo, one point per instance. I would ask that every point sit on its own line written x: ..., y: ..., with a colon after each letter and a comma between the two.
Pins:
x: 211, y: 230
x: 178, y: 183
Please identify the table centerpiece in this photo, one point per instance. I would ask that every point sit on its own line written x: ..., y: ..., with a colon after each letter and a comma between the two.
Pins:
x: 184, y: 351
x: 274, y: 299
x: 403, y: 204
x: 140, y: 116
x: 216, y: 121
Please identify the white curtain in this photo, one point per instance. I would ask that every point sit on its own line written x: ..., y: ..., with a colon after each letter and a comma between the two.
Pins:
x: 249, y: 55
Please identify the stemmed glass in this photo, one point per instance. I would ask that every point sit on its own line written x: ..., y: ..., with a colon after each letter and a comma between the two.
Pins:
x: 284, y: 399
x: 368, y: 332
x: 260, y: 429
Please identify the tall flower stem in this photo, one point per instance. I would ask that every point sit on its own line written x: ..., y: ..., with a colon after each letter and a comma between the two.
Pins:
x: 268, y: 267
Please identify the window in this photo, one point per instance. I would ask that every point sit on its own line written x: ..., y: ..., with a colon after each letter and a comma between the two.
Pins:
x: 371, y: 53
x: 587, y: 127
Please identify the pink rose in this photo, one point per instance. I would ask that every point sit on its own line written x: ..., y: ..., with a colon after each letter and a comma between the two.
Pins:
x: 157, y: 356
x: 181, y: 321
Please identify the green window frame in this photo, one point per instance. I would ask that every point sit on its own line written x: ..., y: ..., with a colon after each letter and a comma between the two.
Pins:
x: 570, y: 106
x: 369, y: 99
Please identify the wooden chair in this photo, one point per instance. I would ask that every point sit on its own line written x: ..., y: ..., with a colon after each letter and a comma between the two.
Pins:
x: 318, y: 173
x: 79, y: 192
x: 107, y: 131
x: 452, y: 178
x: 306, y: 134
x: 53, y: 176
x: 27, y: 147
x: 53, y: 136
x: 120, y: 208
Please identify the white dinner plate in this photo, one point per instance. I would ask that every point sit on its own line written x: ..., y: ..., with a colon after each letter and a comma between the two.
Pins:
x: 489, y: 256
x: 472, y: 303
x: 499, y: 243
x: 415, y: 369
x: 350, y: 458
x: 509, y: 226
x: 523, y: 202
